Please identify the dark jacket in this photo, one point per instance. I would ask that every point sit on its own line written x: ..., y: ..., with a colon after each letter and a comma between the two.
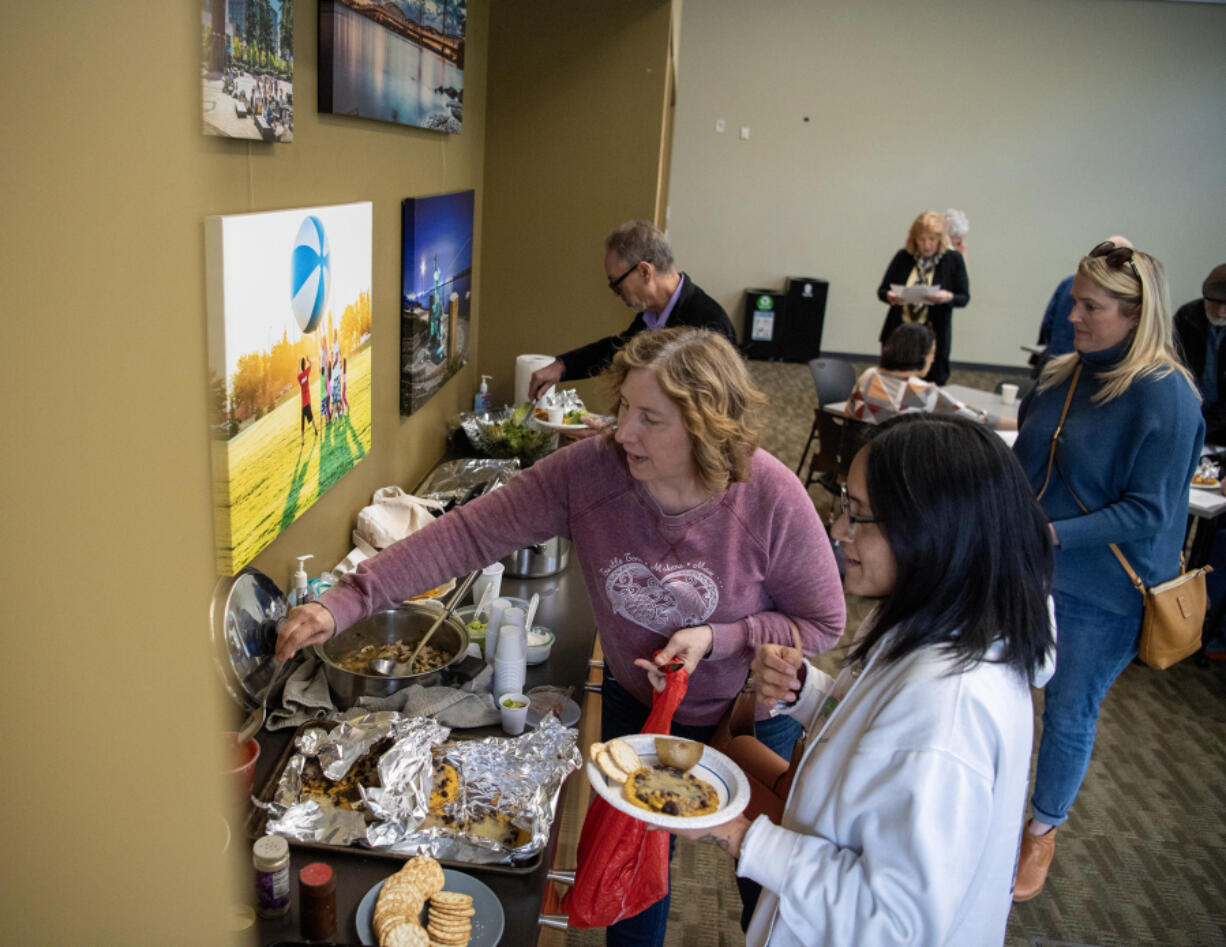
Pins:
x: 694, y: 308
x: 1192, y: 337
x: 950, y: 274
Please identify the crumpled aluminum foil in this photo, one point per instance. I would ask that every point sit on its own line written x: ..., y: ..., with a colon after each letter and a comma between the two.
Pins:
x: 518, y: 776
x: 451, y: 481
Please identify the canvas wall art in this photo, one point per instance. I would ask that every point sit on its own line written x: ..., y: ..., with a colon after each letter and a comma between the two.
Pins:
x: 289, y: 298
x: 247, y: 60
x: 394, y: 60
x: 435, y: 293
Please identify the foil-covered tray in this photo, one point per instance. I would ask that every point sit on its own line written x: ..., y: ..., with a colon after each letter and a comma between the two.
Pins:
x: 492, y: 808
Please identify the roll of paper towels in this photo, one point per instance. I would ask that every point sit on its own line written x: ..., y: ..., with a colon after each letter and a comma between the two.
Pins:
x: 525, y: 365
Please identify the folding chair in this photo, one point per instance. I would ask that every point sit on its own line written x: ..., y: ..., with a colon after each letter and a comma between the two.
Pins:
x: 833, y: 378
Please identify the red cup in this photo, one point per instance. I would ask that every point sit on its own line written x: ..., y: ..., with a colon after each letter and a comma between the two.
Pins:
x: 242, y: 758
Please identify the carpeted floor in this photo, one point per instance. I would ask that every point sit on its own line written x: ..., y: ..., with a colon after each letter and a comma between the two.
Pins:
x: 1142, y: 860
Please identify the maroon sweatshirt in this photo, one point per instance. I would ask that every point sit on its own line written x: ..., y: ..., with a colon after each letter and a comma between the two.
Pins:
x: 743, y: 562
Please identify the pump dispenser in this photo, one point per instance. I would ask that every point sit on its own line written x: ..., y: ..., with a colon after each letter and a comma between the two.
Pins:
x: 481, y: 400
x: 300, y: 594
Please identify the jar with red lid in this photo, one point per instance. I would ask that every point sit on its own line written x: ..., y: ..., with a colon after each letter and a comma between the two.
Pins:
x: 317, y: 901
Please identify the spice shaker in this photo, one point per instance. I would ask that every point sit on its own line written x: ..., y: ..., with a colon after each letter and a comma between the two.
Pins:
x: 270, y: 858
x: 317, y: 901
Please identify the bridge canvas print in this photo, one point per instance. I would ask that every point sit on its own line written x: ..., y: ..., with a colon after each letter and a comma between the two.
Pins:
x: 394, y: 60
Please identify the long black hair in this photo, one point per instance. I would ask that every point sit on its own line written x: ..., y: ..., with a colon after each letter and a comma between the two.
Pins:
x: 971, y: 546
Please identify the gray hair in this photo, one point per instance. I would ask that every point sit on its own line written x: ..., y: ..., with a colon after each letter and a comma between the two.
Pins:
x: 956, y: 224
x: 640, y: 240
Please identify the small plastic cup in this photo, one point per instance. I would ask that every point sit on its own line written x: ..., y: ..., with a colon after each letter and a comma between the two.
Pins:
x: 514, y: 710
x: 1008, y: 394
x: 556, y: 414
x: 242, y: 758
x: 491, y: 576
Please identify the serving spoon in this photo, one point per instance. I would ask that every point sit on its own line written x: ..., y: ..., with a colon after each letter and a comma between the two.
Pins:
x: 389, y: 668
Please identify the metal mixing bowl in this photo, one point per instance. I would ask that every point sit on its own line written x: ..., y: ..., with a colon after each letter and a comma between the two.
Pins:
x: 408, y: 623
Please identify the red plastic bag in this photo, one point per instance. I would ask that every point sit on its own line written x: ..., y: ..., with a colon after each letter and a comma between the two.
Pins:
x: 623, y: 865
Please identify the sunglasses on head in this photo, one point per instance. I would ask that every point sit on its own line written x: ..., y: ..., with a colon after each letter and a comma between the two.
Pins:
x: 1116, y: 257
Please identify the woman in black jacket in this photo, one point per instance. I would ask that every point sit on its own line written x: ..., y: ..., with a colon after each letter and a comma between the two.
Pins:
x: 927, y: 259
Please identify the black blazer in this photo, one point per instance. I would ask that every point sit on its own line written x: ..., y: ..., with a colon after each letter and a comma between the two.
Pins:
x: 694, y: 308
x: 950, y: 274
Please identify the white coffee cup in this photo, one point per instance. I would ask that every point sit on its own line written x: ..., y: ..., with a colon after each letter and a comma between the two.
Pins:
x: 1008, y: 394
x: 513, y: 718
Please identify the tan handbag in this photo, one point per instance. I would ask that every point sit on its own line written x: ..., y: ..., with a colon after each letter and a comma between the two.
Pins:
x: 769, y: 774
x: 1174, y: 612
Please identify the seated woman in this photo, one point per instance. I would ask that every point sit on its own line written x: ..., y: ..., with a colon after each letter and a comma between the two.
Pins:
x: 896, y: 385
x: 903, y: 820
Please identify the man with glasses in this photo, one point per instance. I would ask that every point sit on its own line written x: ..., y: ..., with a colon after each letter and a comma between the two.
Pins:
x: 638, y: 264
x: 1200, y: 331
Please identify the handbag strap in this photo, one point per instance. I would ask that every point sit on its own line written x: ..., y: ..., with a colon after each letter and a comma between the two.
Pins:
x: 1051, y: 459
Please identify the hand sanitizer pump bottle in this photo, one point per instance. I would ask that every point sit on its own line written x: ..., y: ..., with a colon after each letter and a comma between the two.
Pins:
x: 300, y: 594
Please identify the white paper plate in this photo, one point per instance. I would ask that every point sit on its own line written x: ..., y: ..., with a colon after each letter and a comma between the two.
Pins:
x: 561, y: 428
x: 487, y: 922
x: 1207, y: 486
x: 724, y: 776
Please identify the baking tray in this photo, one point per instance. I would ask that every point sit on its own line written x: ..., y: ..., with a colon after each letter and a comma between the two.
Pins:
x: 257, y: 818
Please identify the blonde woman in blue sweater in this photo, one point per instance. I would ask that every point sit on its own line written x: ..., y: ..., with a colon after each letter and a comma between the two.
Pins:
x: 1119, y: 473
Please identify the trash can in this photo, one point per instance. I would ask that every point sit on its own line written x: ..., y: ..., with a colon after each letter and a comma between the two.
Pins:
x: 763, y: 334
x: 804, y: 313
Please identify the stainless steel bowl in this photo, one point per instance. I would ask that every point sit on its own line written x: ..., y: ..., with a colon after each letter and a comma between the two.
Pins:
x: 407, y: 623
x: 537, y: 562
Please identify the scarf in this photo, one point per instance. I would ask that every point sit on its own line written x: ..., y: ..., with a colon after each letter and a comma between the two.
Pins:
x: 922, y: 272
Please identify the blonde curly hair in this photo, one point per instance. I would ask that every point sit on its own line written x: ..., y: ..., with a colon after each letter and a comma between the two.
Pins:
x: 707, y: 379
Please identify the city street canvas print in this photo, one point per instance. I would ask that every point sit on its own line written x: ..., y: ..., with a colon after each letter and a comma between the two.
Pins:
x: 394, y: 60
x: 247, y: 61
x: 435, y: 293
x: 289, y: 299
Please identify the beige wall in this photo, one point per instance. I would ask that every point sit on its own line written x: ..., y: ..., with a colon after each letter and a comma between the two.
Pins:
x: 1052, y: 124
x: 111, y: 827
x: 576, y: 99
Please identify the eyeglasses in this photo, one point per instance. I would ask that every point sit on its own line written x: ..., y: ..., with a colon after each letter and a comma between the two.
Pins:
x: 852, y: 518
x: 614, y: 283
x: 1116, y: 257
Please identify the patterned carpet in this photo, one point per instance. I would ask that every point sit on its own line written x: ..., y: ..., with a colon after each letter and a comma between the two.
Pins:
x: 1142, y: 860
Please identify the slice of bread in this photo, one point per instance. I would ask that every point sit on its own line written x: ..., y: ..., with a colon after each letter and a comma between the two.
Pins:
x: 624, y: 756
x: 605, y: 762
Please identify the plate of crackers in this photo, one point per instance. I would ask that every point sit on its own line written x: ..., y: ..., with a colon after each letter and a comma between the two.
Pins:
x: 424, y: 905
x: 667, y: 781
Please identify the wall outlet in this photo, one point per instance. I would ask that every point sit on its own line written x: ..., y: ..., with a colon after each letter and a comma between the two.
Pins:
x: 719, y: 126
x: 744, y: 133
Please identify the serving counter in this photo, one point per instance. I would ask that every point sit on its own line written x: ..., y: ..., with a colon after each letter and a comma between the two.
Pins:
x: 564, y: 607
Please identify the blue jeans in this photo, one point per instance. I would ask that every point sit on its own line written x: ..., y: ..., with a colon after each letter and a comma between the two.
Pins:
x: 1092, y: 647
x: 620, y: 714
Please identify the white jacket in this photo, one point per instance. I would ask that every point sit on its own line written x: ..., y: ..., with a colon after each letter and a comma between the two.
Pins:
x: 904, y: 820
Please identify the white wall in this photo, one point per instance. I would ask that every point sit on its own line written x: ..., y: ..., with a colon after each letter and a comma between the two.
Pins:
x: 1051, y: 123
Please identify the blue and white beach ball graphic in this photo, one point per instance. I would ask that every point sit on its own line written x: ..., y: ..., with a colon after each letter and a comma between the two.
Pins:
x: 310, y: 274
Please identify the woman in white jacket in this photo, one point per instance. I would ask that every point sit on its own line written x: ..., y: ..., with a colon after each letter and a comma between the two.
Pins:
x: 903, y: 820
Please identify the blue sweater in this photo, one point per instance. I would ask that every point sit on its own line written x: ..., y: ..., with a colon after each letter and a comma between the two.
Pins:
x: 1130, y: 461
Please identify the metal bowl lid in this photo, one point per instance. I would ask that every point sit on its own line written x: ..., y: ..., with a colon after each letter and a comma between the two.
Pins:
x: 243, y: 620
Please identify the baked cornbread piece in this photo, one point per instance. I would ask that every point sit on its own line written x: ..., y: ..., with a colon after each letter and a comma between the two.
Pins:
x: 669, y: 791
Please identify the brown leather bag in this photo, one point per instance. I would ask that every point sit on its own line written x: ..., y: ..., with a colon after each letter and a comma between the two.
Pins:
x: 769, y: 774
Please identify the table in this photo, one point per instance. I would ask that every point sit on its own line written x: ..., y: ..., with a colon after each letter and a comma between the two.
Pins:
x: 975, y: 397
x: 566, y: 609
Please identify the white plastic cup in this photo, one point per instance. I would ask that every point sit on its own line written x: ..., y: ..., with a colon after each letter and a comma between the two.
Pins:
x: 513, y: 718
x: 1008, y: 394
x: 512, y: 643
x: 491, y: 577
x: 497, y: 609
x: 556, y: 414
x: 509, y: 676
